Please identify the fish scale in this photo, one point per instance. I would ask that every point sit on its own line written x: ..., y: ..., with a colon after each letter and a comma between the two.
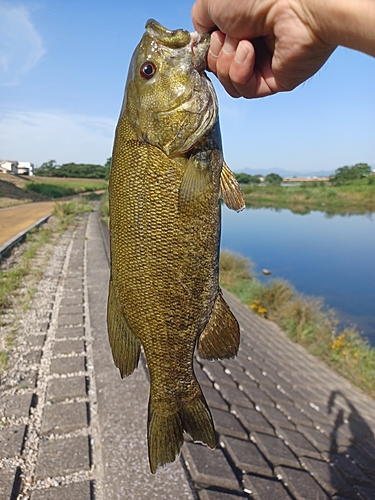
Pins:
x: 164, y: 192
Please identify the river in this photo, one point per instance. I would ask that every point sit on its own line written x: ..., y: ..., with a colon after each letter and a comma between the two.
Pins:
x: 332, y: 257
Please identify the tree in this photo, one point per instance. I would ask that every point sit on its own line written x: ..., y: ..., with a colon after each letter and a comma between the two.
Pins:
x: 273, y: 179
x: 348, y: 174
x: 47, y: 169
x: 83, y: 170
x: 107, y: 166
x: 247, y: 179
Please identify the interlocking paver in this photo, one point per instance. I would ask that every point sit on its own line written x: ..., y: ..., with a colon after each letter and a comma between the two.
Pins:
x: 17, y: 405
x: 299, y: 444
x: 218, y: 495
x: 209, y: 467
x: 299, y: 414
x: 214, y: 398
x: 62, y: 456
x: 363, y: 460
x: 301, y: 484
x: 365, y: 493
x: 257, y: 396
x: 63, y: 418
x: 66, y: 388
x: 72, y: 364
x: 72, y: 300
x: 75, y: 309
x: 69, y: 346
x: 246, y: 456
x: 319, y: 439
x: 11, y: 441
x: 261, y: 488
x: 274, y: 394
x: 27, y: 380
x: 275, y: 450
x: 235, y: 397
x: 253, y: 420
x: 33, y: 357
x: 296, y: 416
x: 352, y: 473
x: 36, y: 341
x: 70, y: 319
x: 69, y: 332
x: 76, y: 491
x: 226, y: 423
x: 8, y: 483
x: 327, y: 476
x: 277, y: 418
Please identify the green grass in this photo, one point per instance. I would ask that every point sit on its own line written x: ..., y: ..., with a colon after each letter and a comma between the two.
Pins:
x: 104, y: 208
x: 304, y: 319
x: 67, y: 211
x: 357, y: 197
x: 11, y: 279
x: 58, y: 188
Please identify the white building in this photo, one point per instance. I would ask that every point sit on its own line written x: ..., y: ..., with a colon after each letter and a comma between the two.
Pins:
x: 16, y: 167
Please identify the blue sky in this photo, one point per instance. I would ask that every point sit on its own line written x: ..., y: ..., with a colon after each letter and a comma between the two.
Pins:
x: 63, y: 65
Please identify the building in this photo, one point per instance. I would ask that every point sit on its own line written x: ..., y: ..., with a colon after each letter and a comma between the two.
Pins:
x: 16, y: 167
x: 306, y: 179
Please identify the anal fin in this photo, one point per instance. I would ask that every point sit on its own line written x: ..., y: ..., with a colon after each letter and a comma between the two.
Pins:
x: 230, y: 189
x: 221, y: 337
x: 125, y: 345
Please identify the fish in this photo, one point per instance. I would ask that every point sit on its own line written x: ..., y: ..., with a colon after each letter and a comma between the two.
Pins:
x: 166, y: 181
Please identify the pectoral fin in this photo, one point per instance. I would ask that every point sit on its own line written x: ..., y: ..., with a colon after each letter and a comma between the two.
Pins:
x: 221, y: 337
x: 230, y: 190
x: 125, y: 345
x: 194, y: 181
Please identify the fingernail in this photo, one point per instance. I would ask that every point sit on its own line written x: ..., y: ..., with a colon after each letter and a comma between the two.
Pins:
x: 215, y: 45
x: 230, y: 45
x: 241, y: 53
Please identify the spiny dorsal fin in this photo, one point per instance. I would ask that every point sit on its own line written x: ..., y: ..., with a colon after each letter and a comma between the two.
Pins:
x: 194, y: 181
x: 125, y: 345
x: 230, y: 189
x: 221, y: 337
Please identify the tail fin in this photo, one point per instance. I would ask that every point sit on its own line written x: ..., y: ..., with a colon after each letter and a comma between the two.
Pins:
x: 165, y: 432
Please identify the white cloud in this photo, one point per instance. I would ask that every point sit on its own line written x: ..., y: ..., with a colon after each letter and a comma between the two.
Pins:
x: 42, y: 136
x: 21, y: 47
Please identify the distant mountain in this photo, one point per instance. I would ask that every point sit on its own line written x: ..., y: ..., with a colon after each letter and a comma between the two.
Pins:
x: 288, y: 173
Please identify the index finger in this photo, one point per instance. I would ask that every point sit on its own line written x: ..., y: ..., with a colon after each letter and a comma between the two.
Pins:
x: 201, y: 18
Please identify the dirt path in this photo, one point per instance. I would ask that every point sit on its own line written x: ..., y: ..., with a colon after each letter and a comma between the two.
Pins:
x: 15, y: 219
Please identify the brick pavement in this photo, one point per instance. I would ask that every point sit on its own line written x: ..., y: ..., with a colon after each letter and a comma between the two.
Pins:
x: 287, y: 426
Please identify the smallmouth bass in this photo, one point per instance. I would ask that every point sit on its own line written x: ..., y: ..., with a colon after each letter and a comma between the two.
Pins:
x: 167, y: 177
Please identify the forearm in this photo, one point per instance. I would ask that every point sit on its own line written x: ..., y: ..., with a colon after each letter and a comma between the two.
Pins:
x: 350, y: 23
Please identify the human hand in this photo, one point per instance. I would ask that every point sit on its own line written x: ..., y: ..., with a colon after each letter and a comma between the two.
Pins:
x: 261, y: 46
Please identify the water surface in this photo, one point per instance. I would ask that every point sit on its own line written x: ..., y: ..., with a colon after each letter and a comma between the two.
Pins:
x: 330, y: 257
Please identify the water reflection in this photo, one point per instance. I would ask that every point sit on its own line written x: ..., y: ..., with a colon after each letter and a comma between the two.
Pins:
x: 331, y: 257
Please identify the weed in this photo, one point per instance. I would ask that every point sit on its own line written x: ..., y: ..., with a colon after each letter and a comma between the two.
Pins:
x: 306, y: 321
x: 11, y: 279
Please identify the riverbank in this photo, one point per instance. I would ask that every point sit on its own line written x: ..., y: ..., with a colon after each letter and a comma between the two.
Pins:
x: 305, y: 320
x: 358, y: 197
x: 18, y: 190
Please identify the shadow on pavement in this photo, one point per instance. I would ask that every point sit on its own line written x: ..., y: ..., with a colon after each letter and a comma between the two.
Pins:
x: 350, y: 436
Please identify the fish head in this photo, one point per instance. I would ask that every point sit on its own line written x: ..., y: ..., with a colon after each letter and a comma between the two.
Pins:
x: 169, y: 101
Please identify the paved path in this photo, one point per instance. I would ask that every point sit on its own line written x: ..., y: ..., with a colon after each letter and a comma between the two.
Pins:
x: 287, y: 426
x: 13, y: 220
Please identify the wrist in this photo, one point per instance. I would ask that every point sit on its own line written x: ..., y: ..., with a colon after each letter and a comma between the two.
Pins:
x: 349, y: 23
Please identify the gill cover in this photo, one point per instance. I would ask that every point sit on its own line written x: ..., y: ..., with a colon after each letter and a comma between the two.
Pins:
x: 169, y: 100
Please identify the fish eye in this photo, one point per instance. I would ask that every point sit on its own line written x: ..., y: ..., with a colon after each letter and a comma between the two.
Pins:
x: 148, y: 69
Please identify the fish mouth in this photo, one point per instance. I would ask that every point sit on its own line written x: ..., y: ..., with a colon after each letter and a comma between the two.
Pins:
x: 199, y: 44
